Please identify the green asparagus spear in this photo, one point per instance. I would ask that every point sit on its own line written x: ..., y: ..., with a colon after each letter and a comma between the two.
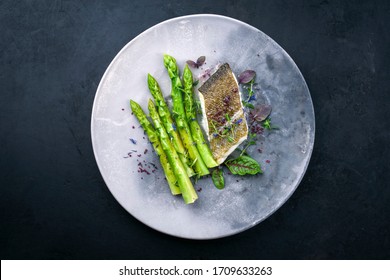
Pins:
x: 184, y: 182
x: 179, y: 115
x: 169, y: 125
x: 153, y: 137
x: 190, y: 111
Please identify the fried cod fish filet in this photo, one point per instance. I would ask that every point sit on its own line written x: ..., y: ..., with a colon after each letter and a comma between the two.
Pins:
x: 223, y: 116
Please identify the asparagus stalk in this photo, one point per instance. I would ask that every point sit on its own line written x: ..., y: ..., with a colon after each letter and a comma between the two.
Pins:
x: 190, y: 111
x: 169, y: 125
x: 184, y: 182
x: 179, y: 115
x: 153, y: 137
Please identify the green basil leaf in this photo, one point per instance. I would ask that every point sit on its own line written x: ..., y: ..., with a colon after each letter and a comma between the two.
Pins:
x: 248, y: 105
x: 218, y: 180
x: 243, y: 165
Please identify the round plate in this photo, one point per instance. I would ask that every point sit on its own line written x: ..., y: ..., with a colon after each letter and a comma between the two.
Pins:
x: 132, y: 170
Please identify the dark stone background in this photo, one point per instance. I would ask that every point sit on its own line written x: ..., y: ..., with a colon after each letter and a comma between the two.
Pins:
x: 54, y: 203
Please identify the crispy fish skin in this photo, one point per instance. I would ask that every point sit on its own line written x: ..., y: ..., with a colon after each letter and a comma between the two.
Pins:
x: 226, y: 125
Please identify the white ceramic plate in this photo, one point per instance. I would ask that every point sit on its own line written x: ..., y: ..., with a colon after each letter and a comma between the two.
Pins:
x: 245, y: 201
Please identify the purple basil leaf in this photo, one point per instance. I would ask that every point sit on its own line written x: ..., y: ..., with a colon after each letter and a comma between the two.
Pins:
x: 200, y: 60
x: 192, y: 64
x: 246, y: 76
x: 261, y: 112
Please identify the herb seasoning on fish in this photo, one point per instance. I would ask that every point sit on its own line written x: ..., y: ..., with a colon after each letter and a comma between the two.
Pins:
x: 226, y: 125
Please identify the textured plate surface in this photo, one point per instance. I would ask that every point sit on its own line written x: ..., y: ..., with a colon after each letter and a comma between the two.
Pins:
x: 245, y: 201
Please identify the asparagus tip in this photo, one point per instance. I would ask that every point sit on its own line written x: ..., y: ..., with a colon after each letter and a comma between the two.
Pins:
x: 133, y: 105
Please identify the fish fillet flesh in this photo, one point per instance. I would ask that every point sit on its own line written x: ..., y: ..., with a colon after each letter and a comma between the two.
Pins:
x: 223, y: 116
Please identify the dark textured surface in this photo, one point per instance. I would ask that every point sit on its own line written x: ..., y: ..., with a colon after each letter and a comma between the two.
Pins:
x: 53, y: 201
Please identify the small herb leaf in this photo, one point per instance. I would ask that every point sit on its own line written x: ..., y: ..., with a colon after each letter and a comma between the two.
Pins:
x: 200, y: 60
x: 261, y: 112
x: 246, y: 76
x: 243, y: 165
x: 192, y: 64
x: 268, y: 125
x: 248, y: 105
x: 217, y: 177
